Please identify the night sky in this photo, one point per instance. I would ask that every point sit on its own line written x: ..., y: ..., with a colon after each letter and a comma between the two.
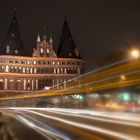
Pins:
x: 98, y: 27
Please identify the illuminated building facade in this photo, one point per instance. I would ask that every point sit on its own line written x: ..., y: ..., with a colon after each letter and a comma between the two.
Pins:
x: 20, y: 73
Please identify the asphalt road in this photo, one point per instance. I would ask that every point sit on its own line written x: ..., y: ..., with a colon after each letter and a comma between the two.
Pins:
x: 69, y: 124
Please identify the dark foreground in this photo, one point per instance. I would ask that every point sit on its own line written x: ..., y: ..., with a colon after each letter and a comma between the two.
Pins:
x: 69, y: 124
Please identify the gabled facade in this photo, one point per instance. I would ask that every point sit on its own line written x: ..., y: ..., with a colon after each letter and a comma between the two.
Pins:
x: 45, y: 68
x: 44, y: 48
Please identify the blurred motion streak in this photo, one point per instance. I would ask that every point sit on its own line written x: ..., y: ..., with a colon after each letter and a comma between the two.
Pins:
x: 98, y: 80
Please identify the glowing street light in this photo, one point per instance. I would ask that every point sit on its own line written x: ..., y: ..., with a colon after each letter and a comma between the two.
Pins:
x: 135, y: 53
x: 46, y: 88
x: 123, y: 77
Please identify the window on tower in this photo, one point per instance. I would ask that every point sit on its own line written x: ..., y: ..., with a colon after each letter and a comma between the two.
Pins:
x: 41, y: 50
x: 47, y: 50
x: 16, y: 51
x: 8, y: 49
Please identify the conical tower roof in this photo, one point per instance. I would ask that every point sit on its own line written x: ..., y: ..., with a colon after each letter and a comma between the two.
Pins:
x: 67, y: 46
x: 13, y: 44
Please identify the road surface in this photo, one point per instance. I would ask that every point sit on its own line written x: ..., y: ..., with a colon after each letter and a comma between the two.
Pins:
x: 71, y: 124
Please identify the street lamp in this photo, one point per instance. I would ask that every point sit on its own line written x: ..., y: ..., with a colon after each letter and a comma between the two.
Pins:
x: 135, y: 53
x: 46, y: 88
x: 123, y: 77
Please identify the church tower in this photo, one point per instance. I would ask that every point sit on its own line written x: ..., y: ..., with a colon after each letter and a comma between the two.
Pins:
x: 67, y: 48
x: 13, y: 44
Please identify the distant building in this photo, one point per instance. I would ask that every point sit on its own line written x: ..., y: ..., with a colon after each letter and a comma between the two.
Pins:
x: 20, y: 73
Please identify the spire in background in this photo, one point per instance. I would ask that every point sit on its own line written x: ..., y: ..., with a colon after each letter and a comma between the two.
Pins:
x: 51, y: 40
x: 15, y: 11
x: 38, y: 39
x: 13, y: 44
x: 44, y: 33
x: 67, y: 46
x: 65, y: 17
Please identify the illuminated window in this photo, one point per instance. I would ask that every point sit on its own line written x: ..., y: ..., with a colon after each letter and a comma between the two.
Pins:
x: 58, y: 71
x: 28, y: 62
x: 7, y: 69
x: 53, y: 62
x: 19, y: 70
x: 8, y: 49
x: 15, y: 69
x: 78, y: 70
x: 41, y: 50
x: 31, y: 70
x: 47, y: 50
x: 61, y: 70
x: 65, y: 70
x: 35, y: 70
x: 34, y: 62
x: 23, y: 70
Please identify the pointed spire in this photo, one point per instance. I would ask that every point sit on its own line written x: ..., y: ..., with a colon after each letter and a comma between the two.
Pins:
x: 15, y: 11
x: 67, y: 46
x: 38, y: 39
x: 13, y: 43
x: 44, y: 33
x: 51, y: 40
x: 65, y: 17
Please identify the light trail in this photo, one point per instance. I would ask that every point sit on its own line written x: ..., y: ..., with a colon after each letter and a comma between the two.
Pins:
x: 32, y: 125
x: 94, y: 81
x: 42, y: 128
x: 101, y: 80
x: 125, y: 120
x: 66, y: 89
x: 83, y: 113
x: 88, y: 73
x: 122, y: 116
x: 85, y: 126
